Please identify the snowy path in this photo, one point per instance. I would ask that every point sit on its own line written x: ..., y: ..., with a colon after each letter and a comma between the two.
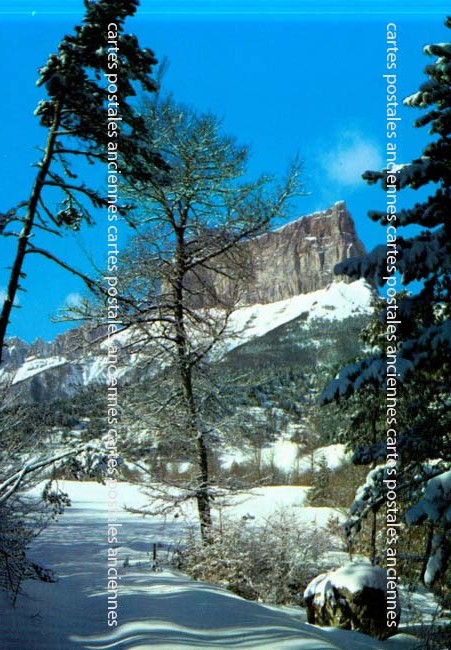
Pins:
x: 163, y: 610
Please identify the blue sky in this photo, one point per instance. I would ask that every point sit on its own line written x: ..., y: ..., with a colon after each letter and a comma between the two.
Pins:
x: 286, y: 77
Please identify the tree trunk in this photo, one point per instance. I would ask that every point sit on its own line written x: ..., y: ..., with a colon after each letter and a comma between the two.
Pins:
x: 374, y: 517
x: 185, y: 370
x: 203, y: 494
x: 16, y: 270
x: 373, y: 538
x: 427, y: 551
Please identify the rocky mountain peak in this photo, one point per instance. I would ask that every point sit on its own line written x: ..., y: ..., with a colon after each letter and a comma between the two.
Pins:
x: 300, y: 257
x: 297, y: 258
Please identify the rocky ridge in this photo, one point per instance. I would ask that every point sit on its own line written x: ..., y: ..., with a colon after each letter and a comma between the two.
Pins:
x: 295, y: 259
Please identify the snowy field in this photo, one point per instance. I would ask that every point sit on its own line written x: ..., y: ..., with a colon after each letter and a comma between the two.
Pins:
x: 284, y: 455
x: 164, y: 609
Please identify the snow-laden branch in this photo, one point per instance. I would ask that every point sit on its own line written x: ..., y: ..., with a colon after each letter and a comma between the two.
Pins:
x: 13, y: 482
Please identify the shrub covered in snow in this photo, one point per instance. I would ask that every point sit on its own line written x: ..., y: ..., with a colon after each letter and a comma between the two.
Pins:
x: 90, y: 464
x: 273, y: 563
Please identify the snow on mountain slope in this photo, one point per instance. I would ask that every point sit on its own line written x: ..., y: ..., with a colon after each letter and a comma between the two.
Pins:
x: 162, y: 610
x: 284, y: 454
x: 33, y: 366
x: 338, y: 301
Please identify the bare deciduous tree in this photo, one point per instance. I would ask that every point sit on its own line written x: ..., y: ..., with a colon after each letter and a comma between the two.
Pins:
x: 183, y: 274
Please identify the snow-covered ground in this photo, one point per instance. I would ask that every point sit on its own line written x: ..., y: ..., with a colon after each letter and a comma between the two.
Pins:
x: 163, y: 610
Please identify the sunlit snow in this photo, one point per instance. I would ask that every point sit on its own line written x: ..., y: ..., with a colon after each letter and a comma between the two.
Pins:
x: 338, y: 301
x: 164, y: 610
x: 34, y: 366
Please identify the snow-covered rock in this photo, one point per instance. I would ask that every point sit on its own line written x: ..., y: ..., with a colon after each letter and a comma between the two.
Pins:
x: 353, y: 597
x: 33, y: 366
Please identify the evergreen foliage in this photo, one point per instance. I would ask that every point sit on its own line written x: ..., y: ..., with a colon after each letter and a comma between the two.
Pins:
x: 420, y: 422
x: 89, y: 83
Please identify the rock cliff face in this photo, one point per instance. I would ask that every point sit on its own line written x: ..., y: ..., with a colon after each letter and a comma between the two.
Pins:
x: 296, y: 258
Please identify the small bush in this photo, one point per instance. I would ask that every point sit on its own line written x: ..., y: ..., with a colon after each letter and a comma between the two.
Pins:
x: 22, y: 519
x: 336, y: 487
x: 273, y: 563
